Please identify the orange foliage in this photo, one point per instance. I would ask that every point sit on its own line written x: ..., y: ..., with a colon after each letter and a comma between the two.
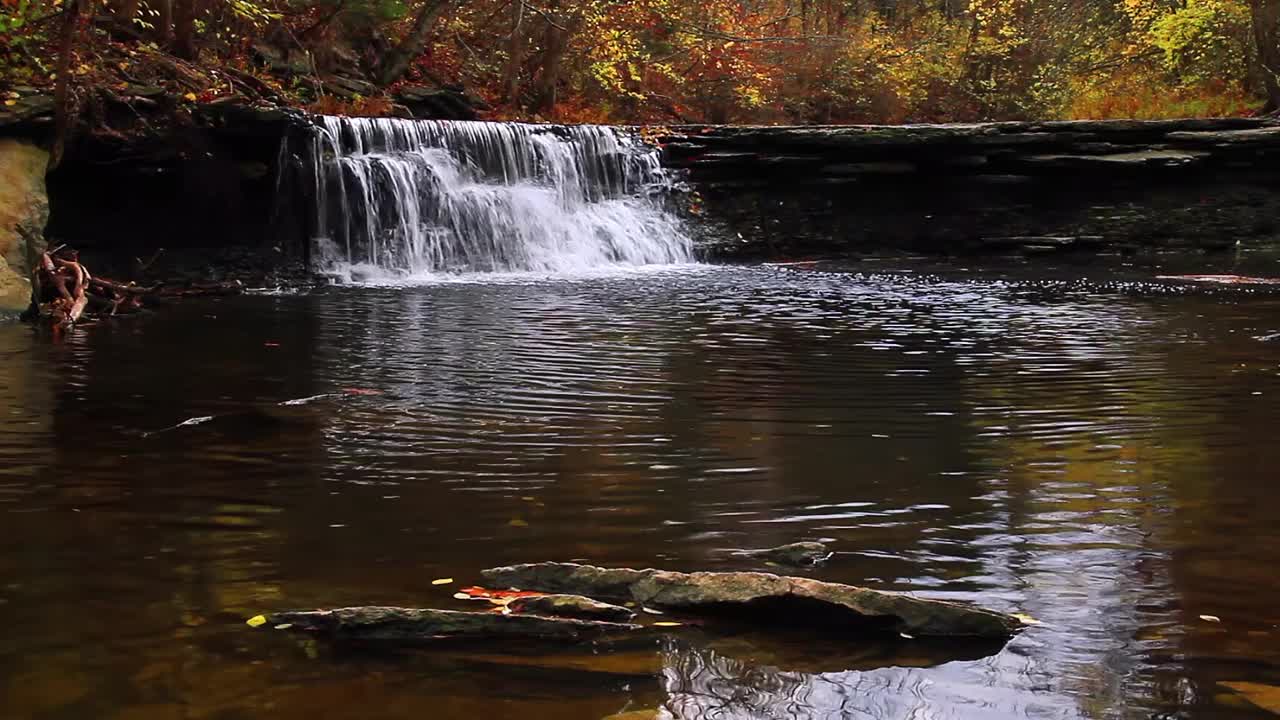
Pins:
x: 379, y: 106
x: 1134, y: 99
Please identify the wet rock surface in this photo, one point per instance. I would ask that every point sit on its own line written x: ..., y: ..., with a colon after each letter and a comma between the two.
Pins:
x: 407, y: 625
x: 762, y: 599
x: 798, y: 554
x: 571, y: 606
x: 1102, y: 186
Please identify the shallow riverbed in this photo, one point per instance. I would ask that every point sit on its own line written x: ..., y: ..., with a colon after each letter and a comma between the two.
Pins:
x: 1097, y: 454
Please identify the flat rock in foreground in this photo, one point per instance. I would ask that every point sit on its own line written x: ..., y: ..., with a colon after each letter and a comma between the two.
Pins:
x: 571, y: 606
x: 396, y: 624
x: 762, y: 598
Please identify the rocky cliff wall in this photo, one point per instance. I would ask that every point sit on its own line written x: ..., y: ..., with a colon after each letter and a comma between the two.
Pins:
x: 24, y: 209
x: 1025, y: 187
x: 207, y: 189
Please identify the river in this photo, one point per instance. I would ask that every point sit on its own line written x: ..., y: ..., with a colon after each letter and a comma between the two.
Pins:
x: 1083, y: 445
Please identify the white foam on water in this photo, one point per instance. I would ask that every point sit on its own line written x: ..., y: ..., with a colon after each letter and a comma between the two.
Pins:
x: 414, y: 201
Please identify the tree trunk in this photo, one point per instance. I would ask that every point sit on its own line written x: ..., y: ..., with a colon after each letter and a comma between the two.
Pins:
x: 164, y: 22
x: 184, y: 29
x: 515, y: 53
x: 62, y: 88
x: 396, y: 62
x: 1266, y: 33
x: 125, y: 11
x: 555, y: 45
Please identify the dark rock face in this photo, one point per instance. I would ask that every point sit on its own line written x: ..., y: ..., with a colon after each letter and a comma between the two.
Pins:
x: 395, y: 624
x: 762, y: 598
x: 206, y: 192
x: 438, y: 103
x: 1051, y: 186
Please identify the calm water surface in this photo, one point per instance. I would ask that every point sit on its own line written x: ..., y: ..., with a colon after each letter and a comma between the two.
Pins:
x: 1099, y: 455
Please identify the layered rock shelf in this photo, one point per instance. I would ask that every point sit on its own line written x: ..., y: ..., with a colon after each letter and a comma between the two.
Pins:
x: 226, y: 194
x: 1000, y: 187
x: 763, y: 599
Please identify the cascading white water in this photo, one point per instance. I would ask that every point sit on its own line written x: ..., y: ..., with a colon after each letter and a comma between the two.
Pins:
x: 415, y: 197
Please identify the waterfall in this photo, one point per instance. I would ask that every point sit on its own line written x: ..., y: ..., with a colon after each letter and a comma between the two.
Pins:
x: 421, y: 196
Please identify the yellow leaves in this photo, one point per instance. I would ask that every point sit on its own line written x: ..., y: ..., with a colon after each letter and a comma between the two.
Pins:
x: 518, y: 522
x: 750, y: 95
x: 1026, y: 619
x: 256, y: 621
x: 189, y: 97
x: 442, y: 581
x: 667, y: 623
x: 10, y: 102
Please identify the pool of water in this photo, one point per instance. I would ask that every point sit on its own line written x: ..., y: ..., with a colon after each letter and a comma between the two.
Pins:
x: 1089, y: 447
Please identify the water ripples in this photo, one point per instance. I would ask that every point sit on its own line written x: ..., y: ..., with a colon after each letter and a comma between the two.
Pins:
x: 1092, y: 454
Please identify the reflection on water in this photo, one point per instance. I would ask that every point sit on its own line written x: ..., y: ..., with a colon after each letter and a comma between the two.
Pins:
x: 1099, y: 456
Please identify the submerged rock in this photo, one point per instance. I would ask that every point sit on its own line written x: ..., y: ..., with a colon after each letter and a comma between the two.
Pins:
x: 571, y: 606
x: 396, y: 624
x: 762, y: 599
x: 798, y: 553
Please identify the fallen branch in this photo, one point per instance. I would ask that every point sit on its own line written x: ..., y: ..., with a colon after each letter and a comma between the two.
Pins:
x: 63, y: 291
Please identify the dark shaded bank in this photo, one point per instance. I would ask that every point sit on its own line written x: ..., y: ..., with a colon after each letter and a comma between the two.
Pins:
x: 217, y: 190
x: 778, y: 192
x: 207, y: 192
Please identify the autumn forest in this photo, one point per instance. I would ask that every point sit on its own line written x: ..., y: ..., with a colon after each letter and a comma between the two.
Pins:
x: 719, y: 61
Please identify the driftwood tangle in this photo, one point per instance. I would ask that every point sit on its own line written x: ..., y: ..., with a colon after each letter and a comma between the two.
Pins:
x: 63, y: 290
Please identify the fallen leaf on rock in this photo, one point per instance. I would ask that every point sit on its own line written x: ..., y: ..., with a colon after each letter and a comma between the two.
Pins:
x: 442, y: 581
x: 1026, y: 619
x: 1264, y: 696
x: 497, y: 597
x: 256, y: 621
x: 1210, y: 618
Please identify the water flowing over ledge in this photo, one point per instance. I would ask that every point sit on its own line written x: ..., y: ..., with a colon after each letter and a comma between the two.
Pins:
x: 396, y: 198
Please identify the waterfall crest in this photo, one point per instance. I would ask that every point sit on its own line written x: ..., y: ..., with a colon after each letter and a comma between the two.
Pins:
x: 422, y: 196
